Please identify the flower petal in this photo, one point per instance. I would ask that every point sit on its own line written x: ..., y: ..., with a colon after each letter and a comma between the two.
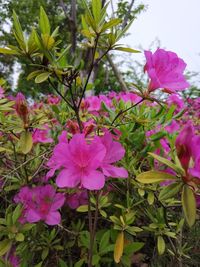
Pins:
x: 95, y: 180
x: 67, y: 178
x: 113, y: 171
x: 53, y: 218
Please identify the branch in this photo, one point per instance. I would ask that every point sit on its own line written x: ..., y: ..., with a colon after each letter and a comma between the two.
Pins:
x: 127, y: 15
x: 73, y: 26
x: 117, y: 73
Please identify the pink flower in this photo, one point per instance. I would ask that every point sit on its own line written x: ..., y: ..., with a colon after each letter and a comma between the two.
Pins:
x: 174, y: 99
x: 11, y: 259
x: 114, y: 153
x: 52, y: 99
x: 1, y: 93
x: 188, y: 151
x: 41, y: 135
x: 40, y: 203
x: 183, y: 145
x: 165, y: 70
x: 80, y: 162
x: 94, y: 103
x: 198, y: 200
x: 77, y: 199
x: 173, y: 127
x: 86, y: 164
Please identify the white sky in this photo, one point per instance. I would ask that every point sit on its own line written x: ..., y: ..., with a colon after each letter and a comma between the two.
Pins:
x: 176, y: 23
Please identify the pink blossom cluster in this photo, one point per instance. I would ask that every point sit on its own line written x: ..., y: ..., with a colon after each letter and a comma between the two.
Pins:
x: 86, y: 163
x: 40, y: 203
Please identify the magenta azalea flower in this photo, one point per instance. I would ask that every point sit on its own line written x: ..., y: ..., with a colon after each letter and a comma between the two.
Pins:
x: 1, y: 93
x: 86, y: 164
x: 188, y: 150
x: 165, y: 70
x: 42, y: 135
x: 81, y: 161
x: 11, y: 258
x: 77, y: 199
x: 114, y: 152
x: 40, y: 203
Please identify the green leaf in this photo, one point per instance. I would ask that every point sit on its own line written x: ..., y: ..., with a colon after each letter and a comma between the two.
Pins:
x: 96, y: 9
x: 126, y: 49
x: 79, y: 263
x: 48, y: 41
x: 33, y: 74
x: 95, y: 259
x: 82, y: 208
x: 42, y: 77
x: 5, y: 245
x: 150, y: 198
x: 19, y: 237
x: 170, y: 191
x: 154, y: 177
x: 133, y: 230
x: 18, y: 29
x: 62, y: 263
x: 26, y: 142
x: 133, y: 247
x: 16, y: 213
x: 110, y: 24
x: 189, y: 205
x: 44, y: 22
x: 122, y: 32
x: 160, y: 245
x: 167, y: 162
x: 27, y: 227
x: 119, y: 247
x: 45, y: 253
x: 39, y: 264
x: 157, y: 136
x: 55, y: 32
x: 104, y: 241
x: 8, y: 51
x: 64, y: 53
x: 88, y: 17
x: 32, y: 46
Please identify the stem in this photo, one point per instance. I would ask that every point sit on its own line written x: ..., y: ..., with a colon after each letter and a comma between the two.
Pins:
x: 90, y: 70
x: 54, y: 87
x: 125, y: 110
x: 92, y: 225
x: 25, y: 169
x: 90, y: 251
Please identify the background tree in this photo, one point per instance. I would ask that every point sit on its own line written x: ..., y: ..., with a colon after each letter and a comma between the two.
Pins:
x: 67, y: 15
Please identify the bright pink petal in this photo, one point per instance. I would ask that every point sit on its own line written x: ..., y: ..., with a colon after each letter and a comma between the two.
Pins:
x: 113, y: 171
x: 94, y: 180
x: 67, y: 178
x: 58, y: 201
x: 53, y: 218
x: 114, y: 150
x: 32, y: 216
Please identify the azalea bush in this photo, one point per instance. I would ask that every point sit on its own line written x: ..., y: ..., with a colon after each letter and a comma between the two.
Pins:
x: 107, y: 180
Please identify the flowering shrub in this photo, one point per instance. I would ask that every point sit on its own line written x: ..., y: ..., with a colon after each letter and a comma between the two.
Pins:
x: 108, y: 180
